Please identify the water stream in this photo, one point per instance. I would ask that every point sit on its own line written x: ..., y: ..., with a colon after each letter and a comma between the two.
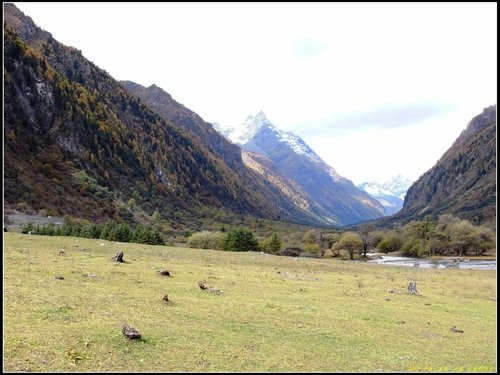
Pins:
x: 460, y: 263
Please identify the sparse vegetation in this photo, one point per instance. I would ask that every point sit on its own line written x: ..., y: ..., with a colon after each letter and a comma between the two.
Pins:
x: 276, y: 314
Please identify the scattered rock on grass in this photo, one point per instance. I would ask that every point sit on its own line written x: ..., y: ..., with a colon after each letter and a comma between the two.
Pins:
x: 118, y: 257
x: 164, y: 273
x: 456, y: 330
x: 209, y: 288
x: 130, y: 332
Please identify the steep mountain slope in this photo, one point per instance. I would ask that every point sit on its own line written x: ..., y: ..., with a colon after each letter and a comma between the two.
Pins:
x: 266, y: 168
x: 463, y: 181
x: 330, y: 195
x: 77, y: 143
x: 173, y: 111
x: 390, y: 193
x: 163, y: 103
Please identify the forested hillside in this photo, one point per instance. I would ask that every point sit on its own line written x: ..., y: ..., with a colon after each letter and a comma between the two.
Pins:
x: 463, y: 180
x: 77, y: 143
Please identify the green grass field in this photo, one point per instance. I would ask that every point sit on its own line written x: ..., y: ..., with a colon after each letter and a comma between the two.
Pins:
x: 275, y: 314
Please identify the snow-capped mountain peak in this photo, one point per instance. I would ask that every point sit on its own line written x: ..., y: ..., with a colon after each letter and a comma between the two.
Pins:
x: 330, y: 196
x: 251, y: 126
x: 390, y: 194
x: 245, y: 131
x: 398, y: 185
x: 225, y: 130
x: 374, y: 188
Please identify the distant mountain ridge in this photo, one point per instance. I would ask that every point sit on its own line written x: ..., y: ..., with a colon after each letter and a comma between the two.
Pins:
x: 330, y: 195
x: 390, y: 193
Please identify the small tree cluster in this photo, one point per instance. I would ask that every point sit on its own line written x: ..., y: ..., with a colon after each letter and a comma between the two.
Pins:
x: 450, y: 235
x: 110, y: 231
x: 351, y: 242
x: 315, y: 242
x: 240, y: 240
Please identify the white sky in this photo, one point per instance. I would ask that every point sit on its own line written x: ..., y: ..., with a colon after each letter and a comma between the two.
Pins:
x: 375, y: 89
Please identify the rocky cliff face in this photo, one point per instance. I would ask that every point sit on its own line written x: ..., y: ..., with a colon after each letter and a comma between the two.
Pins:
x: 463, y: 181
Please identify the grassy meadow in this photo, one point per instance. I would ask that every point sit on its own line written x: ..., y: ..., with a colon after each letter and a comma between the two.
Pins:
x: 275, y: 314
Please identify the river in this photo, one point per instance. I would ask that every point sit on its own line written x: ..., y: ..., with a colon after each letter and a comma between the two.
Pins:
x: 477, y: 264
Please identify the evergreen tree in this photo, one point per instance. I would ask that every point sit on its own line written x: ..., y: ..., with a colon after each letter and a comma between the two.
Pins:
x: 275, y: 244
x: 240, y: 240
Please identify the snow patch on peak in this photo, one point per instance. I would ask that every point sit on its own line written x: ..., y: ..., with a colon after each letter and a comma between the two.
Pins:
x: 374, y: 189
x: 225, y: 130
x: 298, y: 145
x: 250, y: 127
x: 334, y: 175
x: 398, y: 185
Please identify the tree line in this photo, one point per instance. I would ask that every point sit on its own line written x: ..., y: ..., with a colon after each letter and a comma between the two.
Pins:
x: 449, y: 235
x: 110, y: 231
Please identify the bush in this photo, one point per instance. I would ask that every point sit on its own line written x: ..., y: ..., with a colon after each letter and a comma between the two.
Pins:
x: 271, y: 244
x: 351, y: 242
x: 28, y: 227
x: 414, y: 247
x: 240, y: 240
x: 146, y: 236
x: 390, y: 242
x: 314, y: 249
x: 206, y: 240
x: 91, y: 231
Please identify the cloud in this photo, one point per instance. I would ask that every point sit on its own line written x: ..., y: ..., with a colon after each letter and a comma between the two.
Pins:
x: 307, y: 48
x: 383, y: 117
x: 391, y: 116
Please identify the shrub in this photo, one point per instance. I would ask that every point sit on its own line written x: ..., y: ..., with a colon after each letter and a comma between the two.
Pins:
x: 414, y: 247
x: 240, y: 240
x: 28, y: 227
x: 390, y: 242
x: 271, y: 244
x: 206, y: 240
x: 312, y: 248
x: 351, y: 242
x: 290, y: 251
